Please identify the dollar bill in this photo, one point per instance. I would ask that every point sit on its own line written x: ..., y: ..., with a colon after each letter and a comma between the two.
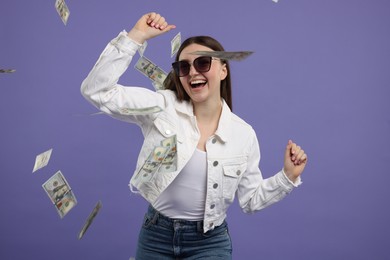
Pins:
x: 7, y: 70
x: 225, y: 55
x: 175, y: 44
x: 152, y: 164
x: 42, y: 160
x: 157, y: 85
x: 60, y: 193
x: 140, y: 111
x: 162, y: 159
x: 66, y: 204
x: 151, y: 70
x: 62, y: 10
x: 169, y: 163
x: 90, y: 219
x: 275, y: 1
x: 142, y: 49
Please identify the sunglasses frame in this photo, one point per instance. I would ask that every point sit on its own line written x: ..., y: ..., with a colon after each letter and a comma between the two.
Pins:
x: 176, y: 65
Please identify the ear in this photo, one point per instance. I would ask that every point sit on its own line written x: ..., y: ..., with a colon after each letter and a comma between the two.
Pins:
x: 224, y: 72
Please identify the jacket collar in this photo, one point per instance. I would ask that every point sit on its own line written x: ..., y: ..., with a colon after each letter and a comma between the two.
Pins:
x: 224, y: 129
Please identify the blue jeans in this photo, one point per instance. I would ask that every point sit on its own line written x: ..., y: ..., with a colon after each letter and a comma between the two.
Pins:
x: 163, y: 238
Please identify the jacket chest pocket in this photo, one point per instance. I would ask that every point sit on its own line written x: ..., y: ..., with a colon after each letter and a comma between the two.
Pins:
x: 165, y: 127
x: 231, y: 176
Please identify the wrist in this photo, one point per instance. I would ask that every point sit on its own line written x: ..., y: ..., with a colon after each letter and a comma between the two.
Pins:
x: 136, y: 36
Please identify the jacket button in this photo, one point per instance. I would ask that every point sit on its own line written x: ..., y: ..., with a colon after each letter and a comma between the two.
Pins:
x: 214, y: 140
x: 212, y: 206
x: 238, y: 172
x: 215, y: 163
x: 215, y: 185
x: 211, y: 225
x: 168, y: 132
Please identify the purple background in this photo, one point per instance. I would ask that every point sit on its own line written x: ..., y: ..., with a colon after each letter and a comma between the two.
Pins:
x: 319, y: 75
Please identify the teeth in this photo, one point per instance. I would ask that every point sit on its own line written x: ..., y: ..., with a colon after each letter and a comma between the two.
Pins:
x: 198, y: 82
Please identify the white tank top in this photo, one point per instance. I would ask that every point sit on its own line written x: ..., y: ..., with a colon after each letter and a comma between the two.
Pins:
x: 185, y: 197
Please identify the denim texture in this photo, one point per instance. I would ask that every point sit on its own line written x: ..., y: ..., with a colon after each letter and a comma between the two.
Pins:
x: 163, y: 238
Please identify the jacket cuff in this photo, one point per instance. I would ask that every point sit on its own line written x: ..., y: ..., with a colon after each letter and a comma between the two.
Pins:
x: 286, y: 182
x: 125, y: 44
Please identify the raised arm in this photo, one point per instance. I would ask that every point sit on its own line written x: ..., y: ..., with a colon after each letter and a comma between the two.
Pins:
x: 101, y: 86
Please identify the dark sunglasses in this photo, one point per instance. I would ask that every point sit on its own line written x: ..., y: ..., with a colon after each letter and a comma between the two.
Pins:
x: 201, y: 64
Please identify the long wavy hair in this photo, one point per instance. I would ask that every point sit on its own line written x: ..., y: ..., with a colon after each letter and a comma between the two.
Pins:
x: 172, y: 82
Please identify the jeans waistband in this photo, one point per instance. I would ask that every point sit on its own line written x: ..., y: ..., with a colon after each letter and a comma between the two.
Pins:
x: 157, y: 218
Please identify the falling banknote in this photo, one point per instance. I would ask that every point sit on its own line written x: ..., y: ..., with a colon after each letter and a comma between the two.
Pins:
x: 42, y: 160
x: 60, y: 193
x: 62, y: 10
x: 141, y: 50
x: 175, y: 44
x: 90, y: 219
x: 151, y: 70
x: 7, y: 70
x: 162, y: 159
x: 225, y: 55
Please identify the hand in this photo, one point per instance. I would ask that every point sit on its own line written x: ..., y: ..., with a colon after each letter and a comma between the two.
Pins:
x: 148, y: 26
x: 295, y: 160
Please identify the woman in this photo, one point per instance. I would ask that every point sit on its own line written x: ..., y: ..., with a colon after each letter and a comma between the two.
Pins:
x: 217, y: 152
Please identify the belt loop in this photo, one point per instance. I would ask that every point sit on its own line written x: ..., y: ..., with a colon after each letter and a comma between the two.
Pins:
x: 155, y: 216
x: 199, y: 227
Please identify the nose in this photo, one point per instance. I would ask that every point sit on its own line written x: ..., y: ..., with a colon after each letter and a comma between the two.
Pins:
x: 193, y: 71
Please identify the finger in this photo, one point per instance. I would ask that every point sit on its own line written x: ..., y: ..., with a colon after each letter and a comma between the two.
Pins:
x: 150, y: 17
x: 160, y: 22
x: 155, y: 20
x: 295, y: 150
x: 299, y: 156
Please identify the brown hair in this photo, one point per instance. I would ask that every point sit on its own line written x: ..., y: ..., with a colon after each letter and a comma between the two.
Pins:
x: 172, y: 82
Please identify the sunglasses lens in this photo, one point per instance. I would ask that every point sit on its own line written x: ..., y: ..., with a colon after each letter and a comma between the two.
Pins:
x: 202, y: 64
x: 182, y: 68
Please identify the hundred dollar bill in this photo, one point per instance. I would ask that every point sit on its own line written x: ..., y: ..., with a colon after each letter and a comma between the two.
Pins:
x: 175, y: 44
x: 66, y: 204
x: 151, y: 70
x: 169, y: 163
x: 62, y: 10
x: 7, y: 70
x: 162, y: 159
x: 225, y: 55
x: 142, y: 49
x: 140, y: 111
x: 42, y: 160
x: 60, y: 193
x: 157, y: 85
x: 151, y: 165
x: 90, y: 219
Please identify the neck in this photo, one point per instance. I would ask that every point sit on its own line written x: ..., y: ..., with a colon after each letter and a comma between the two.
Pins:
x: 207, y: 112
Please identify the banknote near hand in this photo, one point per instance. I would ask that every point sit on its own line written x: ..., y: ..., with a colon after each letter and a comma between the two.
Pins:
x: 225, y: 55
x: 90, y: 219
x: 175, y: 44
x: 60, y: 193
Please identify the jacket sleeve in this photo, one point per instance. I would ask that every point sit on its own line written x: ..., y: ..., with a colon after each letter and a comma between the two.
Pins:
x: 255, y: 193
x: 101, y: 88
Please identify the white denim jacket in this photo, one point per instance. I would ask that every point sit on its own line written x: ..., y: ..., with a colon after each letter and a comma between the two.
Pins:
x: 233, y: 152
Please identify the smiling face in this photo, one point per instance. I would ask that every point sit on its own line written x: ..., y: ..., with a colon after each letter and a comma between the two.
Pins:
x: 202, y: 87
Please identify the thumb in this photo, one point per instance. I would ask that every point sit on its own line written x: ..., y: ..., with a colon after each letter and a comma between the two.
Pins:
x: 288, y: 149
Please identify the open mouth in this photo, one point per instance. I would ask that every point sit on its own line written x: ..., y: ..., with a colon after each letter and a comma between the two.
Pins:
x: 198, y: 83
